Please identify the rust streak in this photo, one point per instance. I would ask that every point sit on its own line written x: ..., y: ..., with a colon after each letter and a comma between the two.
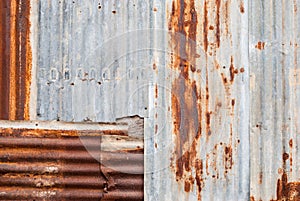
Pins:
x: 218, y: 4
x: 5, y: 26
x: 205, y: 27
x: 16, y: 60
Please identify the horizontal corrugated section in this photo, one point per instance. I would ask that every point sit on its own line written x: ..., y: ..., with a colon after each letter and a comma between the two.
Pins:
x: 39, y: 164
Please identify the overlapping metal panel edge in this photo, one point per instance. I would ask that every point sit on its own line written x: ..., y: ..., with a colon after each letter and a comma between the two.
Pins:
x: 49, y: 164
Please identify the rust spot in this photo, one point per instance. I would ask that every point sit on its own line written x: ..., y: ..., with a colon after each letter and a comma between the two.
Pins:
x: 285, y: 156
x: 242, y: 8
x: 156, y: 91
x: 260, y: 45
x: 154, y: 9
x: 233, y: 102
x: 155, y: 145
x: 211, y: 27
x: 242, y: 70
x: 154, y: 66
x: 156, y: 129
x: 15, y: 66
x: 114, y: 12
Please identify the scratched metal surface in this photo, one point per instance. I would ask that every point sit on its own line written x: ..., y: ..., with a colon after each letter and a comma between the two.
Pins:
x: 274, y: 55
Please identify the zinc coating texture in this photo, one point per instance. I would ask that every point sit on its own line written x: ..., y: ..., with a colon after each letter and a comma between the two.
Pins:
x: 221, y: 107
x: 49, y: 164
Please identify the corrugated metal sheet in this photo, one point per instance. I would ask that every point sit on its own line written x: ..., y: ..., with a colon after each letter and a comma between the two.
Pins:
x: 82, y: 71
x: 201, y: 112
x: 49, y: 164
x: 217, y: 82
x: 274, y: 55
x: 15, y: 66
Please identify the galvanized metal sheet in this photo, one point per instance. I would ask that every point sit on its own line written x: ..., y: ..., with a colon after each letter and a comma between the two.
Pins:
x: 82, y: 73
x: 201, y: 112
x: 274, y: 39
x: 49, y: 164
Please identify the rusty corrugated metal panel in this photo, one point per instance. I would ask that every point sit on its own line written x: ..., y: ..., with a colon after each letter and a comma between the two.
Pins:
x: 274, y: 88
x: 200, y: 113
x: 15, y: 59
x: 43, y: 164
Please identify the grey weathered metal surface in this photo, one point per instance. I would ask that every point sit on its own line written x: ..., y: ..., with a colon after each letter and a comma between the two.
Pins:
x: 81, y: 72
x: 274, y: 41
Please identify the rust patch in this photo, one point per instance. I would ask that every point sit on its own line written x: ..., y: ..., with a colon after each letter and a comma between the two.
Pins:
x: 242, y: 8
x: 15, y: 66
x: 289, y: 191
x: 156, y: 91
x: 228, y: 158
x: 260, y: 45
x: 242, y: 70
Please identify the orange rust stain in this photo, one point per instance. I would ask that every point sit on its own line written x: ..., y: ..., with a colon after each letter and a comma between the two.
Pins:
x: 289, y: 191
x: 15, y: 67
x: 260, y: 45
x: 291, y: 143
x: 5, y: 26
x: 154, y: 9
x: 154, y: 66
x: 199, y: 176
x: 260, y: 178
x: 242, y: 8
x: 242, y: 70
x: 228, y: 158
x: 186, y: 98
x: 156, y: 91
x: 285, y: 156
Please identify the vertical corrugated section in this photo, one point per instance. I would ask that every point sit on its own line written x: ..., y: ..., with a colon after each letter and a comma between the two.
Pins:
x: 200, y: 104
x: 274, y: 55
x: 15, y: 60
x: 88, y: 66
x: 5, y: 55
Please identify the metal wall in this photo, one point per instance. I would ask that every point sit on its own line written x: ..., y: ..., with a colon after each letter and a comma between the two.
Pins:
x: 217, y: 82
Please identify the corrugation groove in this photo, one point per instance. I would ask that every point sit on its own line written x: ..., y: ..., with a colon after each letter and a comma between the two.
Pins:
x: 57, y: 167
